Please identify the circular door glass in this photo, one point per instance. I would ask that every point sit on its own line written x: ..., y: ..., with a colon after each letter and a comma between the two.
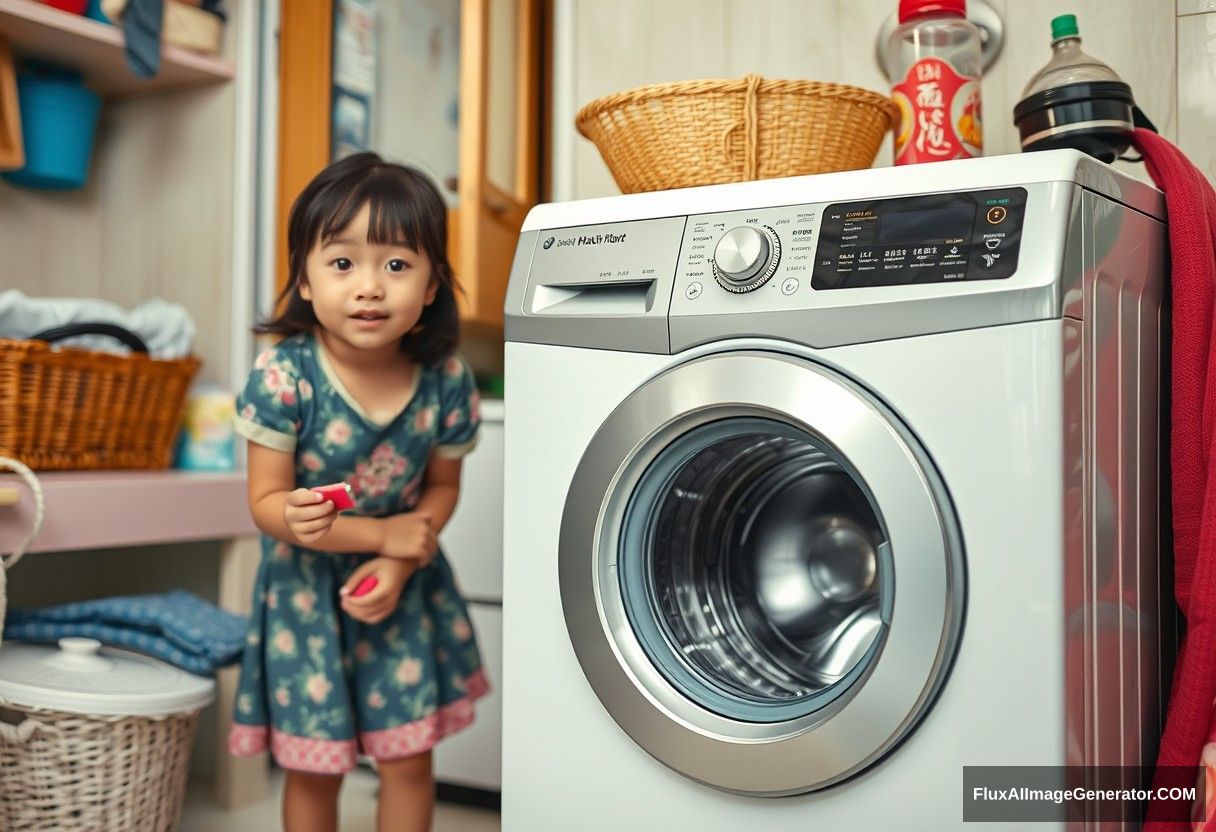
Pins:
x: 753, y: 569
x: 727, y: 565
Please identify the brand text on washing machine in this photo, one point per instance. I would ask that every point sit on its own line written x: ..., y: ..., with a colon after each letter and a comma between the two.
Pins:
x: 591, y: 240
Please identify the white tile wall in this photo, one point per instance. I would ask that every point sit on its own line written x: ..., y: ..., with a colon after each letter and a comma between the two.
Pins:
x: 1197, y: 89
x: 1196, y: 6
x: 632, y: 42
x: 1135, y: 37
x: 628, y: 44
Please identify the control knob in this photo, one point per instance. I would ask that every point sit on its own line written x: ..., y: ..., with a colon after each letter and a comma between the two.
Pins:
x: 746, y: 257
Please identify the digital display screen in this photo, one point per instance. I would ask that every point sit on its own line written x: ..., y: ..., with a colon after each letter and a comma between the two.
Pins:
x: 953, y: 222
x: 934, y: 238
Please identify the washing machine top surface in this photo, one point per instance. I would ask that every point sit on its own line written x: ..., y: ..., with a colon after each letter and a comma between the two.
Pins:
x: 822, y: 260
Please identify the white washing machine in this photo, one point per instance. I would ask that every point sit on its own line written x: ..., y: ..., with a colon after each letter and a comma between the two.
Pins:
x: 820, y: 490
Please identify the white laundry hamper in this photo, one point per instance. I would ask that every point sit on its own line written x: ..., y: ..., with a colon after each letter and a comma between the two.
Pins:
x: 92, y: 738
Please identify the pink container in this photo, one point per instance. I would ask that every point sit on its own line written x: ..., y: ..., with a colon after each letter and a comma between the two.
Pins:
x: 73, y: 6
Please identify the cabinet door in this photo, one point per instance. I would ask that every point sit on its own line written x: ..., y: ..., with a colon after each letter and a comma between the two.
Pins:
x: 472, y: 539
x: 306, y: 30
x: 500, y: 60
x: 473, y: 757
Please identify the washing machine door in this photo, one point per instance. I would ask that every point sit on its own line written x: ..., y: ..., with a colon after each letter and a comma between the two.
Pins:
x: 761, y: 573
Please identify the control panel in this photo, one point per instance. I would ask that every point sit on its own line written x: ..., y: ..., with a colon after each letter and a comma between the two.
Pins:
x: 920, y: 239
x: 768, y: 251
x: 898, y: 241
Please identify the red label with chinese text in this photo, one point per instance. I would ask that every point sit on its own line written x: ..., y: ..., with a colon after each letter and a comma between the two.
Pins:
x: 939, y: 114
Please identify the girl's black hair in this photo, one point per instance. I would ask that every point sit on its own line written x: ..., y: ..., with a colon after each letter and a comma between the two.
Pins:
x: 403, y: 203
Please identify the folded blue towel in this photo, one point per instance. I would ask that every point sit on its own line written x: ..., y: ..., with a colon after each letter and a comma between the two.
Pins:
x: 141, y: 25
x: 177, y: 627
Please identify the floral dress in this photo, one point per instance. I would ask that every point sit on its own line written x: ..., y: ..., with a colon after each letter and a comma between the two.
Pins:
x: 318, y: 687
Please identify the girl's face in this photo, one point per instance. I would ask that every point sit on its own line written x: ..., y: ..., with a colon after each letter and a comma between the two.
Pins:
x: 368, y: 295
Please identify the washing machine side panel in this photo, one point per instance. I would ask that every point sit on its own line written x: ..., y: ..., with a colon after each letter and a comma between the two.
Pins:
x: 1124, y: 615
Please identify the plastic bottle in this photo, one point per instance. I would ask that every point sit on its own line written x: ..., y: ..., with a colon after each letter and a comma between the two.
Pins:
x: 1068, y: 64
x: 935, y: 66
x: 1075, y: 101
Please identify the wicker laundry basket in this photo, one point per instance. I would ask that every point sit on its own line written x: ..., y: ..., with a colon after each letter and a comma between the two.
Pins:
x: 66, y: 771
x: 690, y: 133
x: 78, y: 409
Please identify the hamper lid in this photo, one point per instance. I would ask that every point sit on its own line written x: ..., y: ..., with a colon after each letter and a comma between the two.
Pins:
x: 83, y: 678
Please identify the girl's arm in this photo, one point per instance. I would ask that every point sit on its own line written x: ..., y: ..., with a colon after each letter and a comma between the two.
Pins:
x: 272, y: 477
x: 413, y: 534
x: 440, y: 490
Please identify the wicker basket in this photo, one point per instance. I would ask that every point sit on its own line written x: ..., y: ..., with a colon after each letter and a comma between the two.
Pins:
x: 73, y: 408
x: 708, y: 132
x: 69, y: 773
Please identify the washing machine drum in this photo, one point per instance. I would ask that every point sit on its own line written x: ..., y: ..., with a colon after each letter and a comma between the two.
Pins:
x: 755, y: 556
x: 729, y: 578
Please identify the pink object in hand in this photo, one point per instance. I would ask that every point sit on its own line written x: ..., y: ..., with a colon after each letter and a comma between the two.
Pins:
x: 340, y: 493
x: 365, y: 586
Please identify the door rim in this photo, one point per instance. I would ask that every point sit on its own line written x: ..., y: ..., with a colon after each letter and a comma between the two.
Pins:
x: 885, y: 702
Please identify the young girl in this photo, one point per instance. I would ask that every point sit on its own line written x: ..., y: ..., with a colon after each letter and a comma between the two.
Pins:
x: 364, y: 389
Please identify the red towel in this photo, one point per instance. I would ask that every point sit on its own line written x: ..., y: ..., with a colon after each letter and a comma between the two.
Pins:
x: 1191, y: 207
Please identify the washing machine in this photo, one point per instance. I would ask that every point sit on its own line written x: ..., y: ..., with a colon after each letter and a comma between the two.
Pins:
x: 826, y: 496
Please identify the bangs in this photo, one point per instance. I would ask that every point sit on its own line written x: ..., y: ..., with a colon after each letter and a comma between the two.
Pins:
x: 393, y: 218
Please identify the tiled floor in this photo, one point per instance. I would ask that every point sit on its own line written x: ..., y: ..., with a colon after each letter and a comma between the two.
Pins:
x: 358, y: 813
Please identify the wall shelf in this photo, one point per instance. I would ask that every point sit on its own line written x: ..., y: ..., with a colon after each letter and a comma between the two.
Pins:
x: 96, y: 49
x: 107, y: 509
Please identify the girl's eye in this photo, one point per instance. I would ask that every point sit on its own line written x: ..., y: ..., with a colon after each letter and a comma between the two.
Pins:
x: 341, y: 264
x: 397, y: 265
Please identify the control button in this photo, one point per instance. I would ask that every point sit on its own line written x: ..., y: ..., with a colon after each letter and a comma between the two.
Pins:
x: 953, y: 252
x: 741, y: 253
x: 789, y: 286
x: 989, y: 259
x: 746, y: 257
x: 693, y: 291
x: 997, y: 214
x: 992, y: 243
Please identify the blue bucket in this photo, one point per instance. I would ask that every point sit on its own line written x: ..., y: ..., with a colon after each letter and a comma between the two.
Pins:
x: 95, y: 12
x: 58, y: 122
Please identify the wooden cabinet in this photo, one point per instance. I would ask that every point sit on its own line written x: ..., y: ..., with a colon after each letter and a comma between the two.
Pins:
x: 499, y: 137
x: 306, y: 32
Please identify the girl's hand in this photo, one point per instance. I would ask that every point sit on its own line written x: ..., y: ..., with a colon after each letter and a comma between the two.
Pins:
x: 409, y: 536
x: 392, y: 574
x: 309, y: 516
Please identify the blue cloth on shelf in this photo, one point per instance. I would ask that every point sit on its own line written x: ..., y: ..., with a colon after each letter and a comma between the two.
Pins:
x: 176, y: 627
x: 141, y: 24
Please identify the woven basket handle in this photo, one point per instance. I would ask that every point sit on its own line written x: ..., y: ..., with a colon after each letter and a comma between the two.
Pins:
x: 118, y: 333
x: 751, y: 129
x: 7, y: 561
x: 21, y: 733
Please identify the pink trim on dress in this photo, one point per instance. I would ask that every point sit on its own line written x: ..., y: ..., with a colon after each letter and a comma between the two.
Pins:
x: 316, y: 756
x: 246, y: 740
x: 339, y: 756
x: 422, y: 734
